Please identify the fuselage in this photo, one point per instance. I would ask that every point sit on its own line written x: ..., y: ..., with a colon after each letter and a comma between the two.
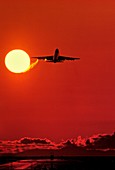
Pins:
x: 56, y: 55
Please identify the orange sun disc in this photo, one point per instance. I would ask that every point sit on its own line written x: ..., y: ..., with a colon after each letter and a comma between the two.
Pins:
x: 17, y: 61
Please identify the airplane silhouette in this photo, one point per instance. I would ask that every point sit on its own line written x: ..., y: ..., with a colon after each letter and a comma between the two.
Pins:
x: 56, y: 57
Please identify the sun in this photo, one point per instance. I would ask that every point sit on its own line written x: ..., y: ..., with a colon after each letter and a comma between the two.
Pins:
x: 17, y: 61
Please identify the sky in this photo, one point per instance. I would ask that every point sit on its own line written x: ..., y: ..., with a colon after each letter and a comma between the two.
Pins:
x: 62, y: 100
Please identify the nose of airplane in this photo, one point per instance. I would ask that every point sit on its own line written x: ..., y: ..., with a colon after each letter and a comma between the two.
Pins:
x: 57, y: 50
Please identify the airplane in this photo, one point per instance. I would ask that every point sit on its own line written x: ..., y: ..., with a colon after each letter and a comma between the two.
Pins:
x: 56, y: 57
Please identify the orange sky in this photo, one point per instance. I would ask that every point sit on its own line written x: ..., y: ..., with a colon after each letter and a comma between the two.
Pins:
x: 66, y: 99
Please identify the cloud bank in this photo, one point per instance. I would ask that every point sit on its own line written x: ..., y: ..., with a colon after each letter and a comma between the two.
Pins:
x: 96, y: 142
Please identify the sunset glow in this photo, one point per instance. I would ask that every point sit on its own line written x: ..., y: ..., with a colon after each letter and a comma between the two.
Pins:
x: 63, y: 100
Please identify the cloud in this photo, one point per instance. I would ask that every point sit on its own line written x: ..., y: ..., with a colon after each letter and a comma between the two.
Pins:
x: 24, y: 144
x: 80, y: 141
x: 103, y: 141
x: 27, y: 140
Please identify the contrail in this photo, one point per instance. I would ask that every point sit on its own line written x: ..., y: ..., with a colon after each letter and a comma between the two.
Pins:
x: 32, y: 65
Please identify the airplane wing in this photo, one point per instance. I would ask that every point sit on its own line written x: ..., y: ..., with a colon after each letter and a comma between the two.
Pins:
x: 44, y: 57
x: 67, y: 58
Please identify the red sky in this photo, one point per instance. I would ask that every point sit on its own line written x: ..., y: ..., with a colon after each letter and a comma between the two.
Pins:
x: 61, y: 100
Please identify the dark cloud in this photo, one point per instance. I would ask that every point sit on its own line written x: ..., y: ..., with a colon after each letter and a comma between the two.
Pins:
x: 69, y: 142
x: 27, y: 140
x: 101, y: 142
